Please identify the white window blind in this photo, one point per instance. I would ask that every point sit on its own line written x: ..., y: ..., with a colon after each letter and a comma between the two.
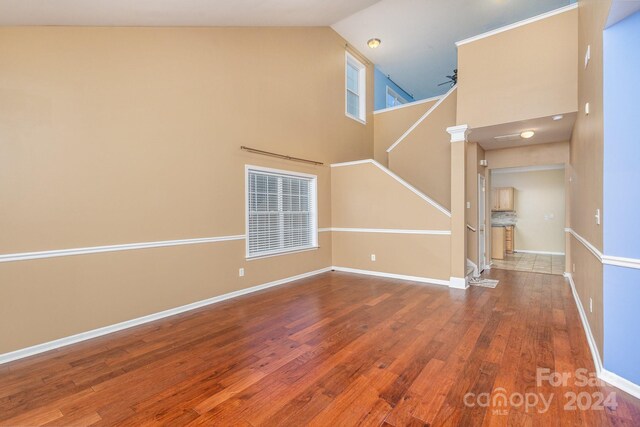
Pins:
x: 355, y: 85
x: 281, y: 214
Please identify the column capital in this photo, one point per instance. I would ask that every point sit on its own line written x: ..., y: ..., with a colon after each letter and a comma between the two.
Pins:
x: 458, y: 133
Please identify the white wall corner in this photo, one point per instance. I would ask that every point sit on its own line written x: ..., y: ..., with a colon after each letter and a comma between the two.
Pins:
x: 458, y: 282
x: 458, y: 133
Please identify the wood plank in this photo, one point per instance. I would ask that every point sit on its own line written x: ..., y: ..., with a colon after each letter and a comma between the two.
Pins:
x: 337, y: 348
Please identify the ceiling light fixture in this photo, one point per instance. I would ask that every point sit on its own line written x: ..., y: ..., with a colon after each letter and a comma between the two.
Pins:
x: 373, y: 43
x: 558, y: 117
x: 527, y: 134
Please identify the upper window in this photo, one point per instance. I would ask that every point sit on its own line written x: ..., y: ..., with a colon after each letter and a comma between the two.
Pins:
x: 393, y: 99
x: 356, y: 74
x: 281, y: 212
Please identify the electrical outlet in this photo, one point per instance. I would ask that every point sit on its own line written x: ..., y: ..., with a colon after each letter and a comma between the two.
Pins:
x: 468, y: 205
x: 241, y: 272
x: 373, y: 257
x: 591, y: 305
x: 573, y: 268
x: 597, y: 216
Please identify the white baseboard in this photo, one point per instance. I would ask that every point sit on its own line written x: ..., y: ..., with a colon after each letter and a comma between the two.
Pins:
x: 458, y: 283
x: 393, y: 276
x: 605, y: 375
x: 538, y: 252
x: 51, y: 345
x: 595, y: 354
x: 621, y: 383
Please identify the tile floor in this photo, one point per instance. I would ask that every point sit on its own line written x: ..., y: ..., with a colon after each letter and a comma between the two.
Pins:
x: 550, y: 264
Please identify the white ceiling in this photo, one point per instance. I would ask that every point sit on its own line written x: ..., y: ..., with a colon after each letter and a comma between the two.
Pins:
x: 178, y: 12
x: 546, y: 130
x: 418, y: 36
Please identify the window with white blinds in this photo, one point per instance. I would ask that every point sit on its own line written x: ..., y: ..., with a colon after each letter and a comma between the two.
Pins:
x: 281, y: 212
x: 355, y: 84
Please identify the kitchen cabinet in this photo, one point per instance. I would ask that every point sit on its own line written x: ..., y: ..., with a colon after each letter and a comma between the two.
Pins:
x: 498, y: 249
x: 503, y: 199
x: 509, y: 242
x: 502, y: 241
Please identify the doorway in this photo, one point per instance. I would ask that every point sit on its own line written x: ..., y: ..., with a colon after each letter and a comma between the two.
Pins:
x: 482, y: 239
x: 528, y: 219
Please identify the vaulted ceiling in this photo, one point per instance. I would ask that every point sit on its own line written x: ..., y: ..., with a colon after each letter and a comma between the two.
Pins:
x: 225, y: 13
x: 418, y: 36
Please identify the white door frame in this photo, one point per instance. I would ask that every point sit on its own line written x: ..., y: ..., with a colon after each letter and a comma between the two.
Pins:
x: 482, y: 223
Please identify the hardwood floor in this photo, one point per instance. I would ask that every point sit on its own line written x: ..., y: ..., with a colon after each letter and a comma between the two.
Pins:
x: 334, y: 349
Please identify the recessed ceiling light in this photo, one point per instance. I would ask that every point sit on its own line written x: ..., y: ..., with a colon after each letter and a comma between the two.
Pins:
x: 527, y: 134
x: 373, y: 43
x: 558, y: 117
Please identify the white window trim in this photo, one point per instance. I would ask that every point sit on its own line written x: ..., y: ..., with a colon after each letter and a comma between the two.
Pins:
x: 362, y: 85
x: 313, y: 199
x: 395, y: 95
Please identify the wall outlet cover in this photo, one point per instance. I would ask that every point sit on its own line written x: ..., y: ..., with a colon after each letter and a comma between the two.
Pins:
x: 241, y: 272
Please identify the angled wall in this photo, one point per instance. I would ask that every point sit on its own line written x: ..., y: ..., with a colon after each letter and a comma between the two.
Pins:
x: 422, y: 156
x: 389, y: 125
x: 375, y: 212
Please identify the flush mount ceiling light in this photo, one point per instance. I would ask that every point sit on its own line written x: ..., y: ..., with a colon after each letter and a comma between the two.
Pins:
x: 527, y: 134
x: 558, y: 117
x: 373, y: 43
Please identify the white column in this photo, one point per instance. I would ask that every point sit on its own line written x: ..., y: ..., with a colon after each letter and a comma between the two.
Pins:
x: 458, y: 206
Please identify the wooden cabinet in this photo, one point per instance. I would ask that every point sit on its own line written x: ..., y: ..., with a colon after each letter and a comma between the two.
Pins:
x: 497, y: 242
x: 503, y: 199
x: 509, y: 239
x: 502, y: 241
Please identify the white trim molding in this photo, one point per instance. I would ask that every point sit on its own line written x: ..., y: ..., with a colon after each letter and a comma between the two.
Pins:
x: 538, y: 252
x: 392, y: 276
x: 605, y: 259
x: 397, y: 178
x: 408, y: 104
x: 619, y: 382
x: 458, y: 283
x: 458, y: 133
x: 51, y: 345
x: 392, y: 231
x: 585, y: 243
x: 113, y: 248
x: 597, y: 361
x: 518, y: 24
x: 621, y: 261
x: 558, y: 166
x: 421, y: 119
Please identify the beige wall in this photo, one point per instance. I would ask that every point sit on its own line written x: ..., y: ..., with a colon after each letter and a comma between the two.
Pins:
x: 587, y: 163
x: 423, y: 158
x: 389, y: 125
x: 538, y: 195
x: 364, y: 196
x: 523, y: 73
x: 554, y: 153
x: 126, y: 135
